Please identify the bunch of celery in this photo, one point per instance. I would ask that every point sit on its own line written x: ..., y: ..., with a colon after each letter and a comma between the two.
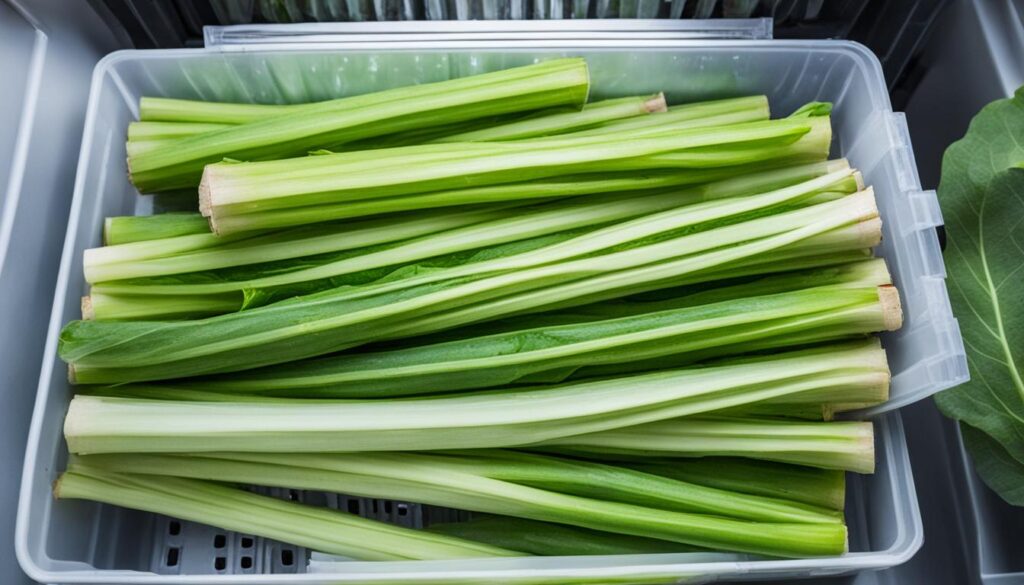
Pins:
x: 612, y: 327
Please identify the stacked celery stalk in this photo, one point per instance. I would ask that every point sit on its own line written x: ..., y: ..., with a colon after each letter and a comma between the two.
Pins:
x: 601, y: 327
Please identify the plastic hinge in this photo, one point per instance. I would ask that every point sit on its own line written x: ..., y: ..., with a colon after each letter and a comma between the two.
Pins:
x: 324, y: 34
x: 906, y: 165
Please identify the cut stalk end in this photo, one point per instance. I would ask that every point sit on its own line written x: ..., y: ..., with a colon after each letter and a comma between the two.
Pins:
x: 205, y: 198
x: 892, y: 309
x: 72, y: 378
x: 88, y: 312
x: 870, y: 232
x: 656, y: 104
x: 859, y: 177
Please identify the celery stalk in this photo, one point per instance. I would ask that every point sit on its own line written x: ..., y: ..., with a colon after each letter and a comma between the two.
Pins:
x: 233, y: 509
x: 451, y: 479
x: 815, y: 486
x: 234, y: 189
x: 263, y: 336
x: 192, y: 253
x: 427, y: 478
x: 476, y: 420
x: 550, y: 354
x: 132, y: 228
x: 848, y: 446
x: 526, y: 223
x: 548, y: 539
x: 562, y: 82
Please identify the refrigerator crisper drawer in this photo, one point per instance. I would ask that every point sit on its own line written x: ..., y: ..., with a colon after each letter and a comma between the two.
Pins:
x: 74, y: 541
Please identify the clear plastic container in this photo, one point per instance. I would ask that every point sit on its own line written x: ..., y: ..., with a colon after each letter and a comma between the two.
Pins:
x: 998, y: 549
x: 77, y: 542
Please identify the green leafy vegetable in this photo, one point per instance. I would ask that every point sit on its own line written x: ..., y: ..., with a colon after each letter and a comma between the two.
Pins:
x: 982, y: 198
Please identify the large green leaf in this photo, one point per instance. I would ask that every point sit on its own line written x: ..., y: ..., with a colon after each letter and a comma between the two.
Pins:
x: 982, y: 197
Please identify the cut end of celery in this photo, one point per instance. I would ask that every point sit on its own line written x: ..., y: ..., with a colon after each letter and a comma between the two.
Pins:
x: 864, y: 203
x: 205, y: 198
x: 72, y: 378
x: 869, y: 232
x: 88, y: 312
x: 892, y: 309
x: 107, y: 224
x: 656, y: 104
x: 859, y: 177
x: 57, y: 487
x: 867, y: 460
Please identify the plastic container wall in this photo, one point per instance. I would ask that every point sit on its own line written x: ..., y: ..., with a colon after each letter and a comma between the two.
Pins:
x: 81, y: 542
x: 47, y: 57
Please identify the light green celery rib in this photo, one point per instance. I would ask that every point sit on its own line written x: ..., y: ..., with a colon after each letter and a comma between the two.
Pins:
x: 810, y: 485
x: 561, y: 82
x: 323, y: 378
x: 849, y: 446
x: 653, y: 213
x: 608, y: 277
x: 549, y: 539
x: 696, y: 115
x: 831, y: 326
x: 240, y: 188
x: 592, y: 114
x: 664, y: 222
x: 810, y: 147
x: 836, y: 246
x: 320, y: 529
x: 139, y: 228
x: 495, y: 360
x: 565, y: 186
x: 487, y: 419
x: 128, y: 307
x: 607, y: 116
x: 206, y: 252
x: 527, y: 192
x: 442, y: 474
x: 160, y: 130
x: 97, y: 352
x: 157, y: 109
x: 335, y: 473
